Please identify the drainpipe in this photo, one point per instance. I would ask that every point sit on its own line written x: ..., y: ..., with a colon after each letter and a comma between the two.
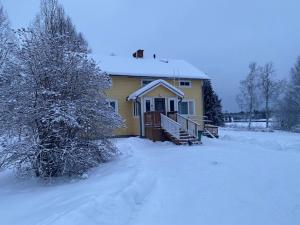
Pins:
x: 203, y: 105
x: 138, y: 101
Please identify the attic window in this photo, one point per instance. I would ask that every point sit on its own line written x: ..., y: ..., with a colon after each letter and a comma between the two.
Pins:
x: 185, y: 83
x: 146, y: 81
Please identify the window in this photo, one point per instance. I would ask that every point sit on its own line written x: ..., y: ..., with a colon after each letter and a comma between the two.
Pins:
x: 148, y: 105
x: 186, y: 107
x: 172, y: 105
x: 185, y: 83
x: 146, y: 81
x: 113, y: 104
x: 136, y: 109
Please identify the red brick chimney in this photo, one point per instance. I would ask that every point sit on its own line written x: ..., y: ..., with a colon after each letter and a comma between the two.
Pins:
x: 139, y: 54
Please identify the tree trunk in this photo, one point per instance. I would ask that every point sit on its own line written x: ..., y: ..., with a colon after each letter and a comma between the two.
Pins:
x: 267, y: 113
x: 250, y: 120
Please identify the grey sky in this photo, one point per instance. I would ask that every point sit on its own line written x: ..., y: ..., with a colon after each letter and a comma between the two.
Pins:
x: 220, y: 37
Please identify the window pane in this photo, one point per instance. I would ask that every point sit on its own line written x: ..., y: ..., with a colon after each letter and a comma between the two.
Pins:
x: 183, y: 108
x: 136, y: 109
x: 112, y: 104
x: 148, y: 105
x: 191, y: 108
x: 172, y: 105
x: 185, y: 83
x: 145, y: 82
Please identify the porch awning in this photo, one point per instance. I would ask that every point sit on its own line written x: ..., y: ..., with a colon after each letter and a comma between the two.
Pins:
x: 154, y: 84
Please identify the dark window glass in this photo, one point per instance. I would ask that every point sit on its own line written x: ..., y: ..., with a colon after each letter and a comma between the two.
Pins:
x: 145, y: 82
x: 148, y: 106
x: 112, y: 104
x: 183, y: 108
x: 185, y: 83
x: 172, y: 105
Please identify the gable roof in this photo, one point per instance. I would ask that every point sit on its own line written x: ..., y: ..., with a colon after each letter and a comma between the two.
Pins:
x: 115, y: 65
x: 149, y: 87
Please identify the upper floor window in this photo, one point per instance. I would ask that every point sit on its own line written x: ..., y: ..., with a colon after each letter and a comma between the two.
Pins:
x: 146, y: 81
x: 185, y: 83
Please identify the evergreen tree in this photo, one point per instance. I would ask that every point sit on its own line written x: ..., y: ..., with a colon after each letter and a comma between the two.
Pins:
x: 59, y: 101
x: 212, y: 104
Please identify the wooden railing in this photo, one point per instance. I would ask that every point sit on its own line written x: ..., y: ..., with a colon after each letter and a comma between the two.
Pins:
x: 155, y: 123
x: 211, y: 131
x: 188, y: 125
x: 171, y: 126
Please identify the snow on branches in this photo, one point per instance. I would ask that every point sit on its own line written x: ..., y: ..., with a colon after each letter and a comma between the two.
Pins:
x: 59, y: 101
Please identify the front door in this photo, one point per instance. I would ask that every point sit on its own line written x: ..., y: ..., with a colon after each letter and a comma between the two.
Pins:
x: 160, y: 105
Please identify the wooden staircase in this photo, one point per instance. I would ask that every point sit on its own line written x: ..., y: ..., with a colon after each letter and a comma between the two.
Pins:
x: 176, y: 133
x: 184, y: 139
x: 176, y: 128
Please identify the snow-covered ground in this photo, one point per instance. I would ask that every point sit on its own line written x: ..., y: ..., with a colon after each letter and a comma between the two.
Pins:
x: 245, y: 178
x: 254, y: 125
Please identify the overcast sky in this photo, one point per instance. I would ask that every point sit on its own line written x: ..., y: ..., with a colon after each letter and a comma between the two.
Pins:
x: 220, y: 37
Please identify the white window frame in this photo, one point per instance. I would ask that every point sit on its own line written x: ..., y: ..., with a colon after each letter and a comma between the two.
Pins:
x: 175, y: 104
x: 116, y: 104
x: 134, y: 109
x: 188, y: 101
x: 149, y: 79
x: 185, y: 86
x: 151, y: 103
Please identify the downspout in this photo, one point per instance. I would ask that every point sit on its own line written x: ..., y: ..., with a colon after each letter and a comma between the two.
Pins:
x: 203, y: 105
x: 141, y: 122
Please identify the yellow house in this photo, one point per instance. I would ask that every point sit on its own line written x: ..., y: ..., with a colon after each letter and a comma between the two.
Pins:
x: 142, y: 86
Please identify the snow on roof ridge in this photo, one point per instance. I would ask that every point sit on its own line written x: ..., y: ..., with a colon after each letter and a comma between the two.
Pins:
x: 149, y: 67
x: 151, y: 86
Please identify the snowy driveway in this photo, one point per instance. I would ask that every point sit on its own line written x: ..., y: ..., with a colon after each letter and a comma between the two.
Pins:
x: 243, y: 178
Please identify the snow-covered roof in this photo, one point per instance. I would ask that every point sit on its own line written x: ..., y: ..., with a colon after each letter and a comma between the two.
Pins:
x: 149, y: 87
x: 115, y: 65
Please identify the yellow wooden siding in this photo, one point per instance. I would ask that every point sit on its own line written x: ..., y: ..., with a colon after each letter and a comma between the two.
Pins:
x: 160, y: 91
x: 123, y: 86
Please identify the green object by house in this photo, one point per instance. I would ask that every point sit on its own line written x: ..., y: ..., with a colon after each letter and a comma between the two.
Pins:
x: 200, y: 134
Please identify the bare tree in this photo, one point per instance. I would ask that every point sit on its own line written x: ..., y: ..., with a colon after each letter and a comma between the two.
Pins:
x: 269, y: 88
x: 7, y: 65
x: 288, y: 110
x: 4, y: 37
x: 247, y: 99
x: 6, y: 42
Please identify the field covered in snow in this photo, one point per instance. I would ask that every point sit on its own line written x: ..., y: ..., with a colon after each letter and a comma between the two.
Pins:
x: 244, y: 178
x: 254, y: 125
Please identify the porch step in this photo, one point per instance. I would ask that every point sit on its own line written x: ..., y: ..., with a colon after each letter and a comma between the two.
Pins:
x: 210, y: 135
x: 189, y: 142
x: 184, y: 139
